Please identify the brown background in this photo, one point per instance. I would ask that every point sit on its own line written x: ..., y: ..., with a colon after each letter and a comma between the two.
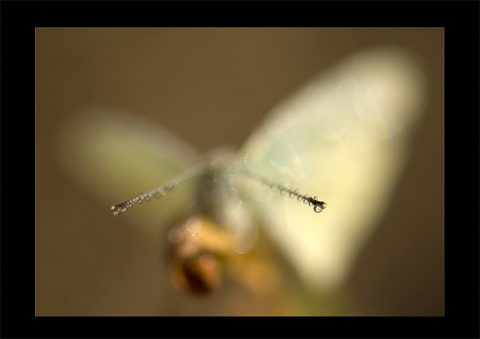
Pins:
x: 211, y: 87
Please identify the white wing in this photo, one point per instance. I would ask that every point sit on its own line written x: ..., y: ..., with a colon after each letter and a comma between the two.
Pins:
x: 342, y: 138
x: 116, y: 156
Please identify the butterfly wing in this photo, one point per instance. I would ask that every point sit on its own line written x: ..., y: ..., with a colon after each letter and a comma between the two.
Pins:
x: 115, y: 156
x: 342, y: 138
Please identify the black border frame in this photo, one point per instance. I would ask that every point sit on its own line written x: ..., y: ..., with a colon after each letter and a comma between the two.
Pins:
x: 18, y: 21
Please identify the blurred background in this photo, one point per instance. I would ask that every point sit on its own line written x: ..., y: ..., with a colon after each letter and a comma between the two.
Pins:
x: 212, y: 87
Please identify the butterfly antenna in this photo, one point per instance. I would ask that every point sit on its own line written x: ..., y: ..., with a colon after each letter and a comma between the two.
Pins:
x: 318, y: 205
x: 160, y: 191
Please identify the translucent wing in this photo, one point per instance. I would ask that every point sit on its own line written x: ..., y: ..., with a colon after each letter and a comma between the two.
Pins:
x: 116, y: 156
x: 342, y: 138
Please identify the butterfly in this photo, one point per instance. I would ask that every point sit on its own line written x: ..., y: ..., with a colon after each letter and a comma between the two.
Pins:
x: 340, y: 140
